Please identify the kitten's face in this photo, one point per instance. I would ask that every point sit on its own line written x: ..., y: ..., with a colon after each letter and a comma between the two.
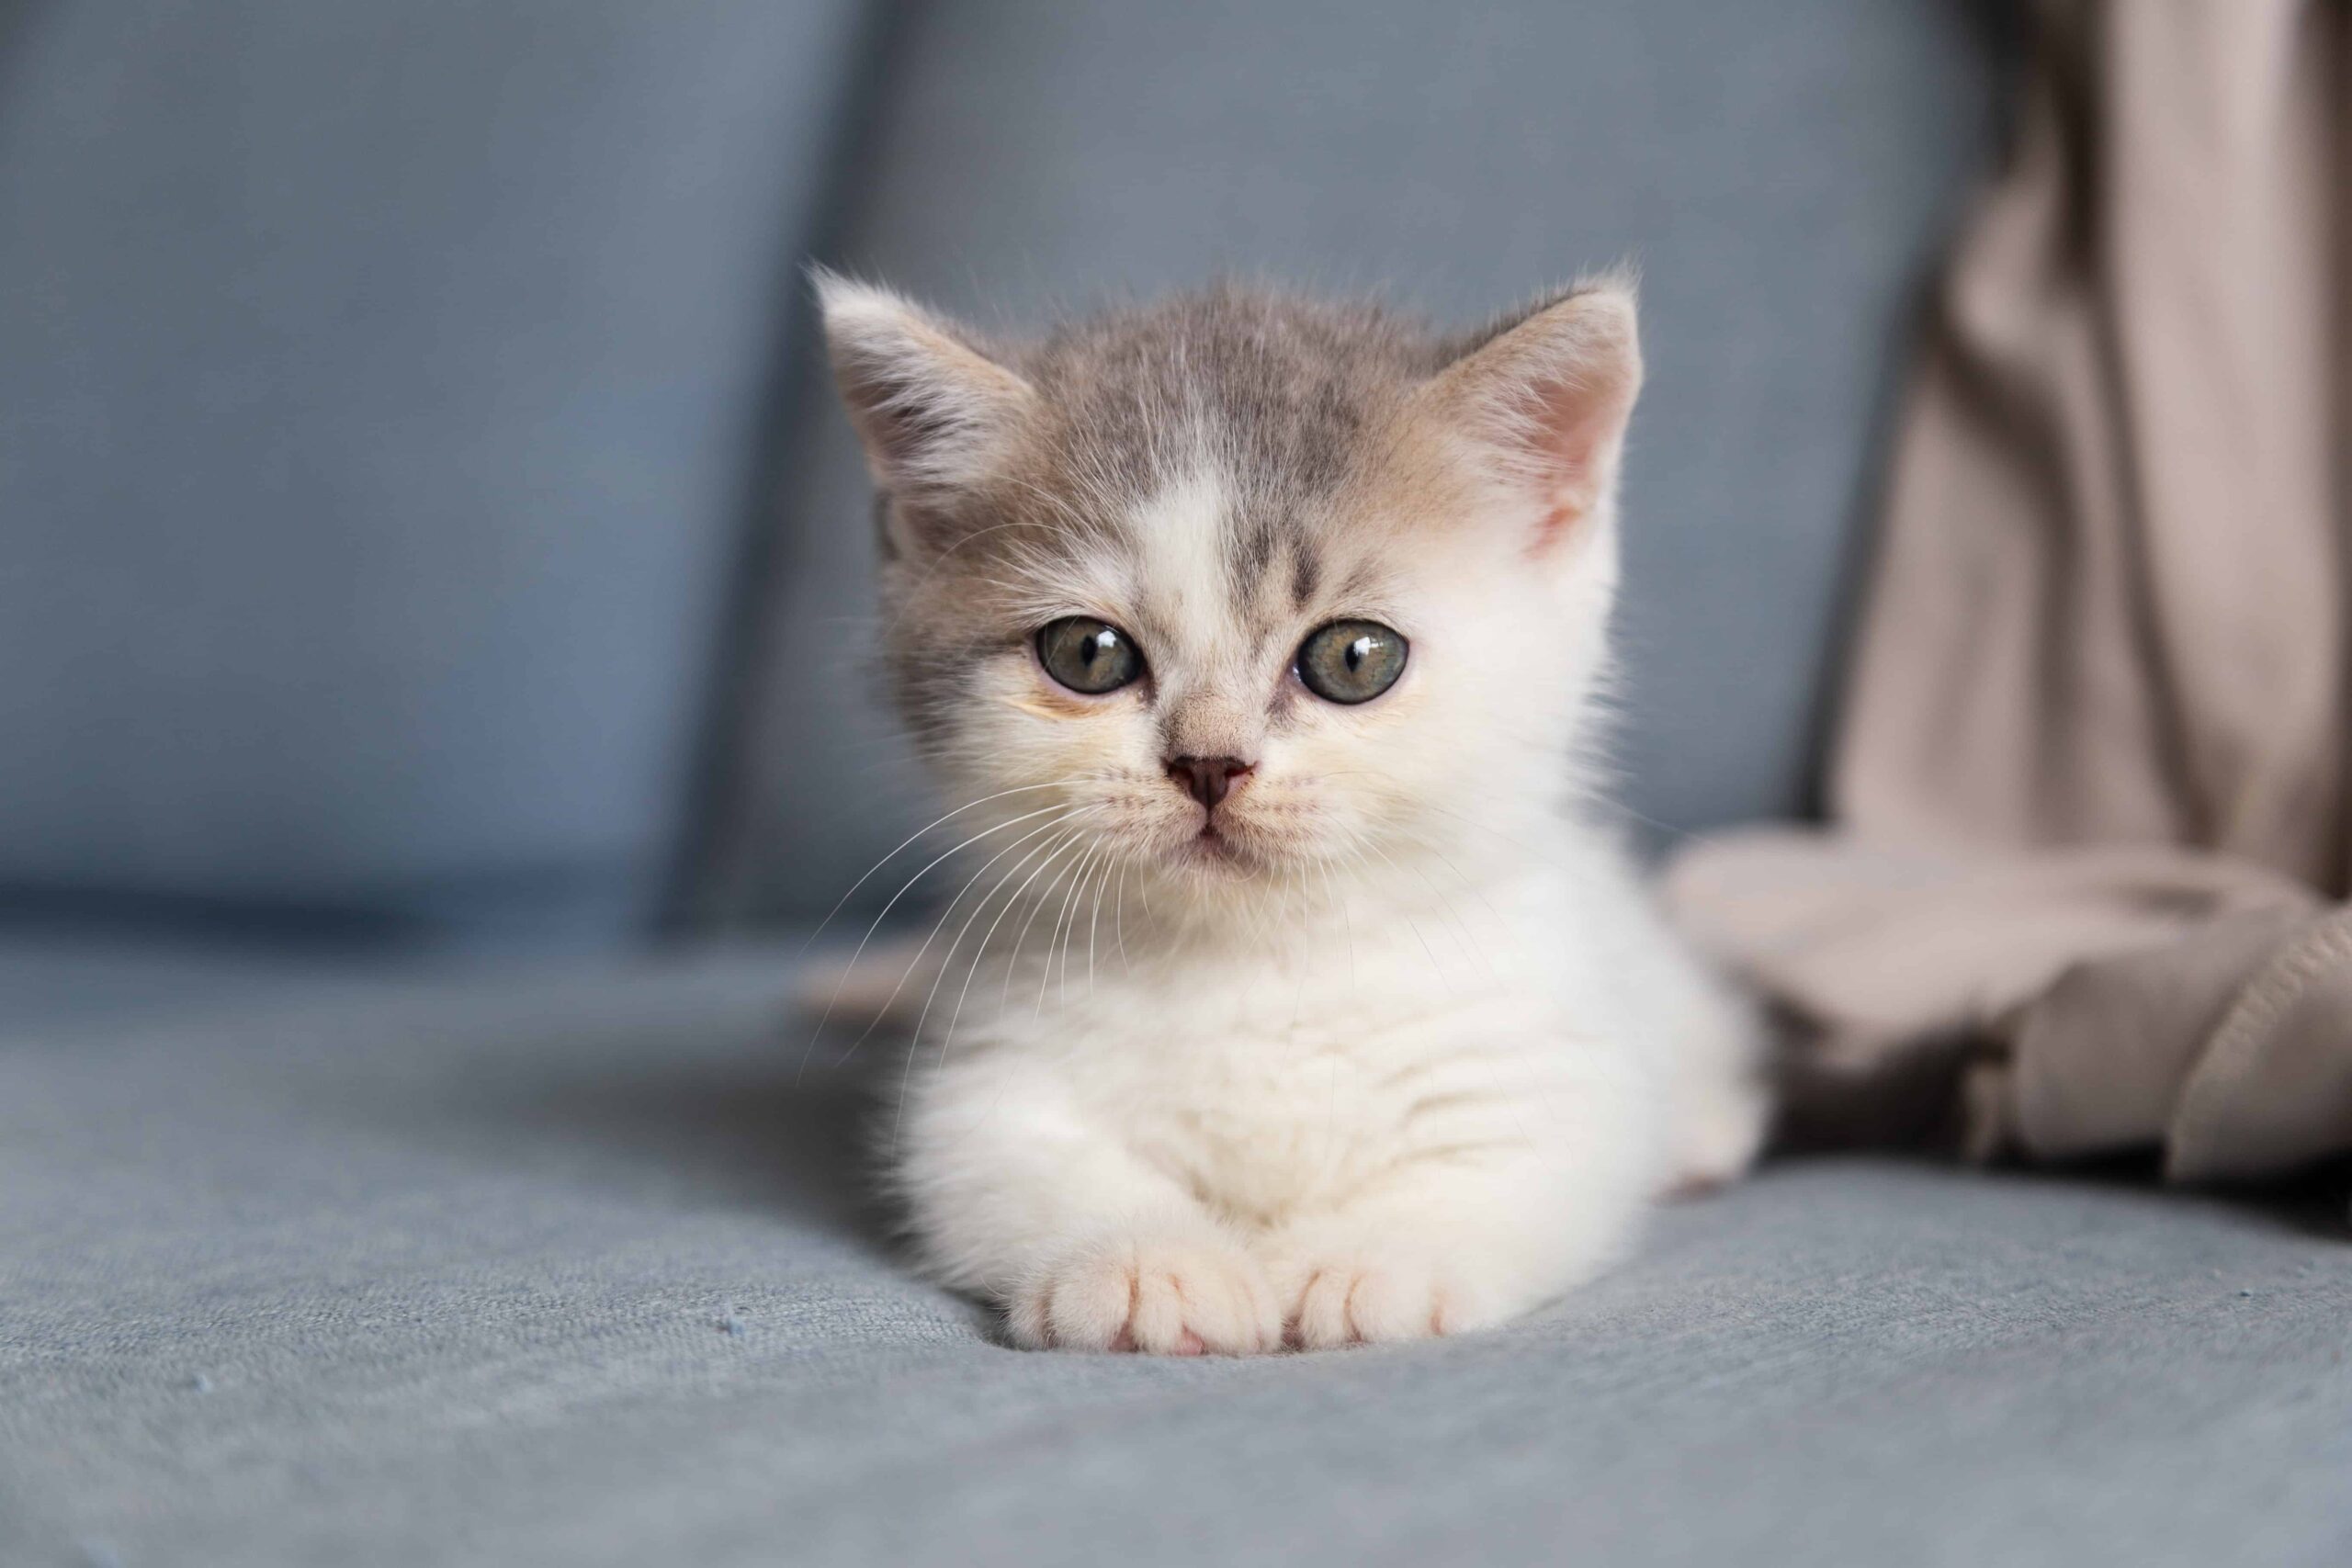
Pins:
x: 1235, y: 591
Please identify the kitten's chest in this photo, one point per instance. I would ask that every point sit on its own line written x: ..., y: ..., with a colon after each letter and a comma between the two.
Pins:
x: 1266, y: 1102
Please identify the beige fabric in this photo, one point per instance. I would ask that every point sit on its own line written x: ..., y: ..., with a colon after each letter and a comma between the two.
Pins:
x: 2090, y: 782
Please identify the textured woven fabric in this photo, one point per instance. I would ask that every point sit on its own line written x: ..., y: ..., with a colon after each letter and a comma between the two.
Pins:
x: 572, y: 1268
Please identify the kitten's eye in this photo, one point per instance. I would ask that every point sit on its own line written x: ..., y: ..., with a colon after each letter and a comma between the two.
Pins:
x: 1088, y: 655
x: 1351, y: 661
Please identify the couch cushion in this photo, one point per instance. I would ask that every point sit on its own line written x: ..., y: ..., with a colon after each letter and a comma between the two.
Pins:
x: 575, y: 1267
x: 1781, y: 174
x: 381, y: 399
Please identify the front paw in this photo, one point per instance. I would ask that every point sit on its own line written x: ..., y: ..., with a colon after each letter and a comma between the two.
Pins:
x: 1179, y: 1294
x: 1370, y: 1295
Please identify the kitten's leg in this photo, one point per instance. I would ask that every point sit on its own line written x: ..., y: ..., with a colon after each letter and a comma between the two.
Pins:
x: 1084, y: 1245
x: 1720, y: 1101
x: 1709, y: 1038
x: 1722, y: 1112
x: 1438, y: 1252
x: 1508, y: 1200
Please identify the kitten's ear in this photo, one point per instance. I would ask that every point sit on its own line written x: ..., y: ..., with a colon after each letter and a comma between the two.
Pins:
x: 931, y: 408
x: 1549, y: 393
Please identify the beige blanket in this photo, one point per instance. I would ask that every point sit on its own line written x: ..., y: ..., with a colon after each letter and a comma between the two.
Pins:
x: 2089, y: 789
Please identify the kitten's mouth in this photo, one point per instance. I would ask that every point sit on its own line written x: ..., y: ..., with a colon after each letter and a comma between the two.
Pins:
x: 1212, y: 846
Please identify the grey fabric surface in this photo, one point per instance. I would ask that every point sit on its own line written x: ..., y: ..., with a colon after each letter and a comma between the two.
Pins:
x: 50, y: 979
x: 570, y: 1267
x: 1781, y: 174
x: 381, y: 391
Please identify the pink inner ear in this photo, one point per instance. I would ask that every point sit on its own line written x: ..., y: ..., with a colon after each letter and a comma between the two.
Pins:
x: 1558, y: 525
x: 1550, y: 395
x: 1573, y: 428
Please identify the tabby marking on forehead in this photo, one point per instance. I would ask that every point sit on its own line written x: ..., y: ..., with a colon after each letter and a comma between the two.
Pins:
x: 1277, y: 396
x: 1218, y: 591
x: 1183, y: 576
x: 1280, y: 389
x: 1306, y: 575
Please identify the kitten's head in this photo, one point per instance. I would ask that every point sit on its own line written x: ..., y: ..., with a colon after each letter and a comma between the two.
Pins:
x: 1234, y: 587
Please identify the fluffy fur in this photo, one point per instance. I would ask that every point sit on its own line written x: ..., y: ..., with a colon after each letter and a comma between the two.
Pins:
x: 1387, y: 1044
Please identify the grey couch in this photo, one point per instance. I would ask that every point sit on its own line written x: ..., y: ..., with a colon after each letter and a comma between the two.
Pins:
x: 429, y: 683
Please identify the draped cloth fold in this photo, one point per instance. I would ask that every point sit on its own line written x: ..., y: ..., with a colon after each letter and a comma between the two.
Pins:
x: 2083, y: 886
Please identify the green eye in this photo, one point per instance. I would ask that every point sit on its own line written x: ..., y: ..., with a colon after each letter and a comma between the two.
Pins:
x: 1350, y: 661
x: 1088, y: 655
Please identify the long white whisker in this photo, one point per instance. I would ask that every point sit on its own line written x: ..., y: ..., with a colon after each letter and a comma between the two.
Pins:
x: 981, y: 908
x: 940, y: 924
x: 1119, y: 914
x: 1021, y: 938
x: 915, y: 1046
x: 1095, y: 923
x: 1053, y: 938
x: 911, y: 838
x: 1058, y: 847
x: 835, y: 999
x: 1069, y: 940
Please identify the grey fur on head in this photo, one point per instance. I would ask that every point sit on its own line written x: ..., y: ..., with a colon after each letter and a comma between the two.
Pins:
x: 1321, y: 421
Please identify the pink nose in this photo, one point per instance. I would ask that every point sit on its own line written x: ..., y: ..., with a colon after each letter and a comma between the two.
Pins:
x: 1207, y: 778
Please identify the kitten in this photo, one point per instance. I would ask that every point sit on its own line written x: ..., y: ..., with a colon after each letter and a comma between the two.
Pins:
x: 1293, y: 997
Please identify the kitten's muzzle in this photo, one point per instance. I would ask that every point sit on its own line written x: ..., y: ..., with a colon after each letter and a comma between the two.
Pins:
x: 1208, y: 779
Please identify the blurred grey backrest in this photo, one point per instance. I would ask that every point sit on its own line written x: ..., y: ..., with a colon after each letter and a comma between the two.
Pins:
x: 385, y: 389
x: 383, y: 386
x: 1781, y: 174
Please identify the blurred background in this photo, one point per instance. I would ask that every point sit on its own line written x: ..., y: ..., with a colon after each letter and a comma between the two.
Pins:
x: 424, y: 520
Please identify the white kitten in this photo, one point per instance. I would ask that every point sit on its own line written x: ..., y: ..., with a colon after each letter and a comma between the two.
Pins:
x: 1291, y: 996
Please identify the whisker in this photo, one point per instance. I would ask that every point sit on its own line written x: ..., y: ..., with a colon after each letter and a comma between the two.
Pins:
x: 1119, y: 910
x: 1069, y: 902
x: 915, y: 1046
x: 911, y: 838
x: 1058, y: 846
x: 1021, y: 940
x: 834, y: 1000
x: 1095, y: 923
x: 940, y: 924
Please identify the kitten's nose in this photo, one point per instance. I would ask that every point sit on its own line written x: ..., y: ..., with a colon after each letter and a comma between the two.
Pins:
x: 1206, y: 779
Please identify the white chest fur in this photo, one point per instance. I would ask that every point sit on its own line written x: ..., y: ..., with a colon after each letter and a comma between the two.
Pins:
x: 1284, y: 1075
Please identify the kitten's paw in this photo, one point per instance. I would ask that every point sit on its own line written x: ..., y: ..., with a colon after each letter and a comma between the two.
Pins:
x: 1717, y: 1138
x: 1376, y: 1297
x: 1170, y: 1295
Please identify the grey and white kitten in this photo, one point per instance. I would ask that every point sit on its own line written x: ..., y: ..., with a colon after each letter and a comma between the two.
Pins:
x: 1255, y: 641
